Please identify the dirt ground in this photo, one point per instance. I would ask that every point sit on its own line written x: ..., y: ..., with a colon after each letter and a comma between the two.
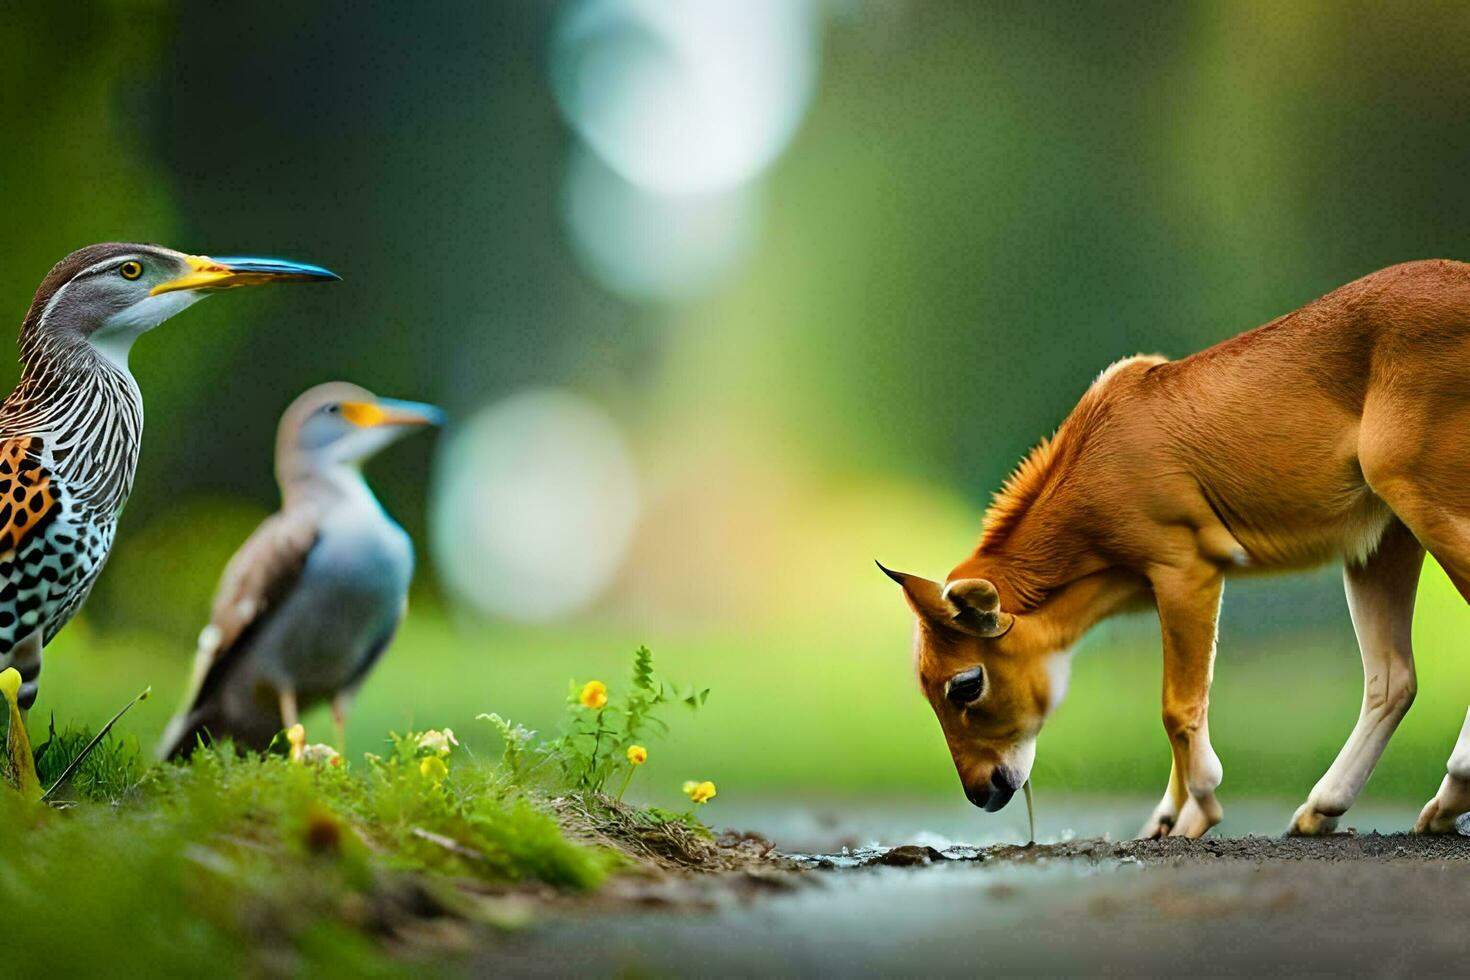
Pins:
x: 1369, y: 904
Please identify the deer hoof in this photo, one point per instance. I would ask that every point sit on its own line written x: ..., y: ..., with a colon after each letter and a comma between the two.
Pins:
x: 1308, y: 822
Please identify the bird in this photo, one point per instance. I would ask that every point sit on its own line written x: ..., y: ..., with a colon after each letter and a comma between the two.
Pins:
x: 312, y: 599
x: 70, y: 431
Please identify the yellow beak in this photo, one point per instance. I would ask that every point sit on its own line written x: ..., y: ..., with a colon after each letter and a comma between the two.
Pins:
x: 207, y: 273
x: 391, y: 411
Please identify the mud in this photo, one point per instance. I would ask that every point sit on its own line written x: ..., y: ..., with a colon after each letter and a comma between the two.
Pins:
x: 1175, y: 851
x: 656, y: 848
x: 1376, y: 904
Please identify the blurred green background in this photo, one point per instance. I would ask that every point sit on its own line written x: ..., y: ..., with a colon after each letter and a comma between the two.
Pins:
x: 726, y: 300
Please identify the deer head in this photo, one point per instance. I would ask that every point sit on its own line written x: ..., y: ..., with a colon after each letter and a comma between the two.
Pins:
x: 990, y: 688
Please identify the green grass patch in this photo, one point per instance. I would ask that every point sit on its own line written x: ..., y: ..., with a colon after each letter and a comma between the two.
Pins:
x: 240, y: 863
x: 300, y: 860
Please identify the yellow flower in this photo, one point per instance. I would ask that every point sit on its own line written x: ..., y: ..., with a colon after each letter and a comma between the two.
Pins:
x: 17, y: 747
x: 700, y: 792
x: 10, y: 683
x: 439, y: 742
x: 637, y: 755
x: 296, y: 735
x: 432, y: 768
x: 594, y: 695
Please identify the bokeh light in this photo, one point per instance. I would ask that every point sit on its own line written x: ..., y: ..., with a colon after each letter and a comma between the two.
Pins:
x: 645, y: 246
x: 690, y: 97
x: 681, y: 109
x: 535, y: 505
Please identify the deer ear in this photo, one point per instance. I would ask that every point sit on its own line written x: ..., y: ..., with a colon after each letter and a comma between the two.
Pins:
x: 925, y: 596
x: 973, y: 605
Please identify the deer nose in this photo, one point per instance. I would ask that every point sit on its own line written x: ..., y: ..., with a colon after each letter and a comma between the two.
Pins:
x: 995, y: 792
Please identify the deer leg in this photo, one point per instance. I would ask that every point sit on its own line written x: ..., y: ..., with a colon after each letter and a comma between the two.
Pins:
x: 1166, y: 814
x: 1435, y: 507
x: 1453, y: 798
x: 1381, y: 599
x: 25, y: 657
x: 1189, y: 607
x: 340, y: 703
x: 1445, y: 532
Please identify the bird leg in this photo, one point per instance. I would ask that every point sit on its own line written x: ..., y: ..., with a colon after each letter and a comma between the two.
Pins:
x: 25, y: 657
x: 340, y: 704
x: 289, y: 716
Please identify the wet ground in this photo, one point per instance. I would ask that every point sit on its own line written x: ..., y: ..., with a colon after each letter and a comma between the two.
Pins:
x: 922, y: 902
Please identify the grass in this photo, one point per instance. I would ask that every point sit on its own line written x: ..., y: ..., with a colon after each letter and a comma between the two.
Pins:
x: 240, y: 864
x: 301, y: 860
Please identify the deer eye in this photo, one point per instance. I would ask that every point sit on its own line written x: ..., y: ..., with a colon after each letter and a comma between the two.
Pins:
x: 966, y: 686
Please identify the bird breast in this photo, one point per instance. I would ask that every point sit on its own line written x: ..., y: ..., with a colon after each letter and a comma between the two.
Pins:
x: 348, y: 599
x: 363, y: 570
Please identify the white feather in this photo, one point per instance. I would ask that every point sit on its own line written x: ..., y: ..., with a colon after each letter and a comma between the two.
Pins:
x: 114, y: 339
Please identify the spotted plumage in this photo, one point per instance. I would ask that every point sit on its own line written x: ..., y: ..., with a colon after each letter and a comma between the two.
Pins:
x: 71, y: 429
x: 48, y: 559
x: 69, y: 439
x: 27, y: 497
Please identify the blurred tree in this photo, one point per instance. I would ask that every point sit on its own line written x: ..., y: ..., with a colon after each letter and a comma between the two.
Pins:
x: 78, y: 93
x: 987, y: 205
x: 419, y: 156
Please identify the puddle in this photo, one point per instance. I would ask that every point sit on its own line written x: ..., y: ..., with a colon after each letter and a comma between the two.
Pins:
x: 839, y: 827
x: 918, y: 854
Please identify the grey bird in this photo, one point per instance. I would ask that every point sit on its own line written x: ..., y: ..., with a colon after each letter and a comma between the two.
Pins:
x: 70, y: 431
x: 312, y: 599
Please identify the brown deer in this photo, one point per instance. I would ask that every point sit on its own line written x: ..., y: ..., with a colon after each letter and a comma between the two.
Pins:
x: 1339, y: 432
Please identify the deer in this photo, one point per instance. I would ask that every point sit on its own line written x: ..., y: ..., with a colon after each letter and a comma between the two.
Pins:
x: 1338, y: 433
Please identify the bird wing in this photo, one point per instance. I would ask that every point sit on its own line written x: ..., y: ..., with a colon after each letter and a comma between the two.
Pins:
x: 259, y: 576
x: 28, y: 497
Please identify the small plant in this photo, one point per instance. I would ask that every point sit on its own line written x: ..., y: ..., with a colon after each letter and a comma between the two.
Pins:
x: 601, y: 730
x: 604, y: 734
x: 516, y: 739
x: 110, y: 771
x: 637, y: 755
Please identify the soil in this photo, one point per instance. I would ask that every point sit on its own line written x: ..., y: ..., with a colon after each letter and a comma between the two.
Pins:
x: 1174, y: 851
x: 1390, y: 905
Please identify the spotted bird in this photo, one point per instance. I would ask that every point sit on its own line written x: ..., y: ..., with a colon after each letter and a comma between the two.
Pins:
x: 70, y: 431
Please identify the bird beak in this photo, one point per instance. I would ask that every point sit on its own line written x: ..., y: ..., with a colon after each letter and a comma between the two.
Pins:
x: 207, y: 273
x: 389, y: 411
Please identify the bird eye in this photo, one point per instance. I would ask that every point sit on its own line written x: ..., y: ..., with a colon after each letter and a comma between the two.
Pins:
x: 966, y: 686
x: 334, y: 409
x: 130, y: 270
